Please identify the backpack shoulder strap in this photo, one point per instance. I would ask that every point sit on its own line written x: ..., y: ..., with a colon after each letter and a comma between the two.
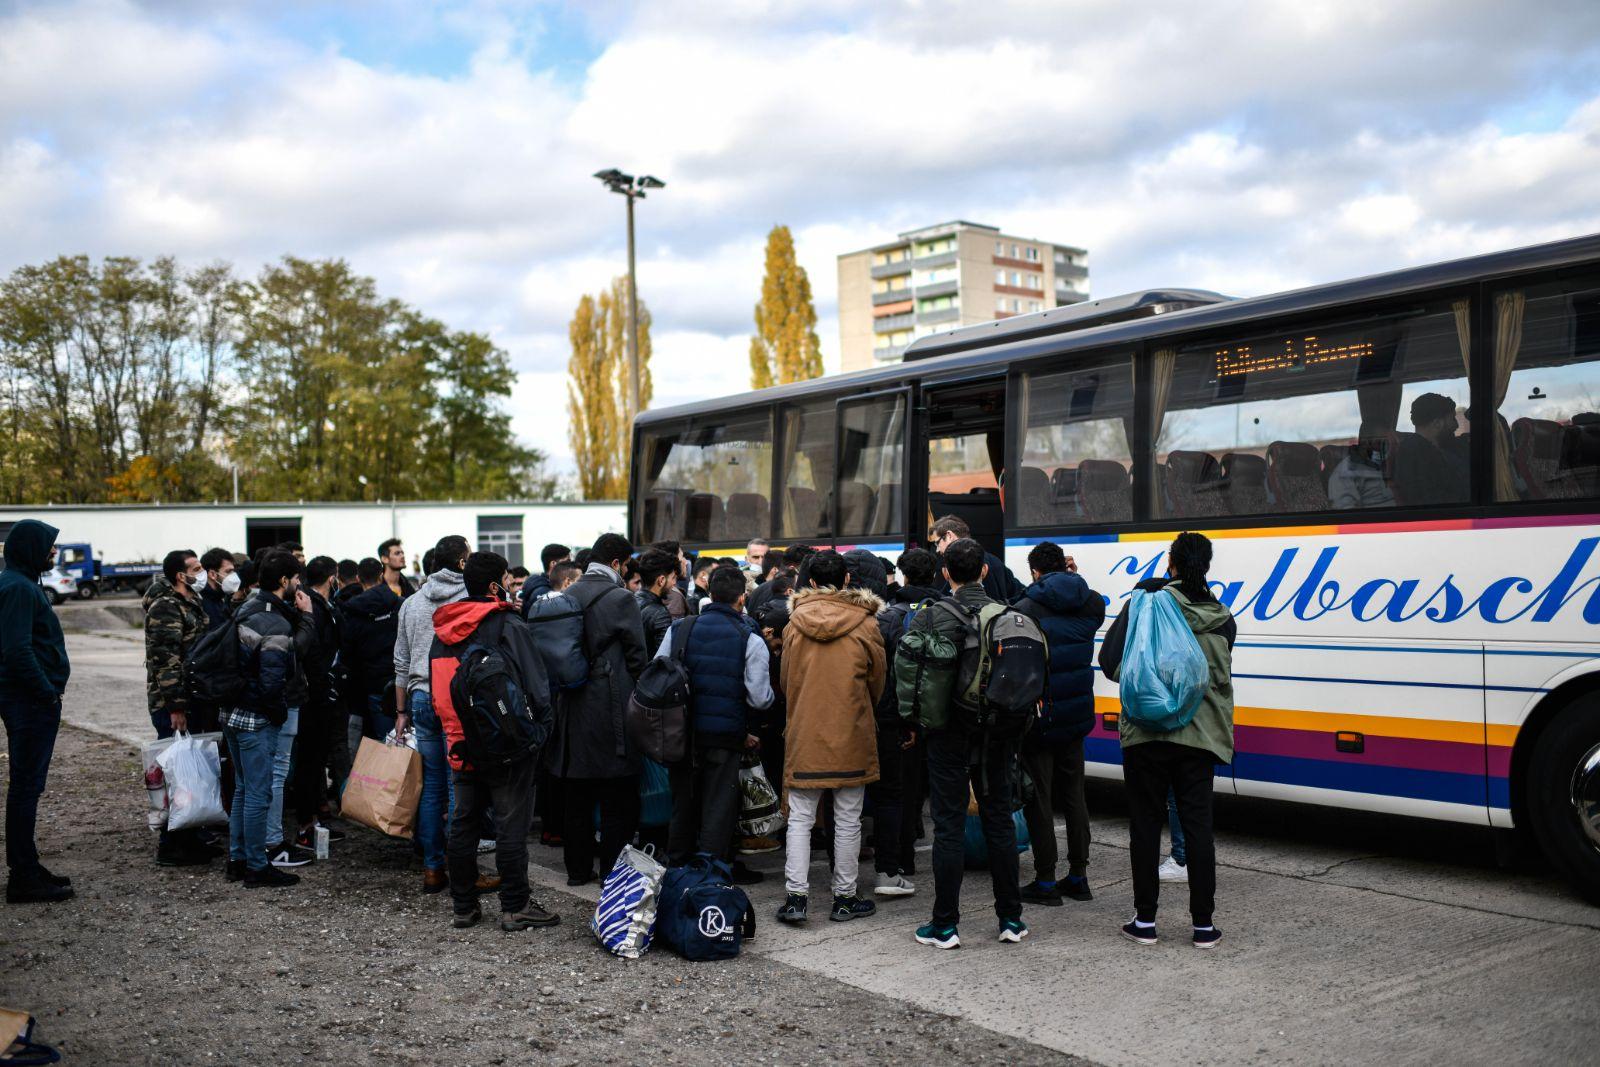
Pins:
x: 680, y: 637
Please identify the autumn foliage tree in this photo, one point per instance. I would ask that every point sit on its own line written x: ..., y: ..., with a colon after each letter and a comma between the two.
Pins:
x: 599, y: 398
x: 785, y: 347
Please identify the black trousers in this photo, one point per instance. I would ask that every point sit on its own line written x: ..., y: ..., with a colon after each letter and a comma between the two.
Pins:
x: 705, y: 805
x: 955, y: 764
x: 913, y: 795
x: 311, y: 748
x: 886, y: 799
x: 618, y: 799
x: 1042, y: 760
x: 1149, y: 770
x: 510, y: 793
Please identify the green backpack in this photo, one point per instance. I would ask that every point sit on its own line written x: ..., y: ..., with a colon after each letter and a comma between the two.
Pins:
x: 925, y: 675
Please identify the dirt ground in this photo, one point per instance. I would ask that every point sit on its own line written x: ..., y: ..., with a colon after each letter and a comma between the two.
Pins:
x: 355, y: 965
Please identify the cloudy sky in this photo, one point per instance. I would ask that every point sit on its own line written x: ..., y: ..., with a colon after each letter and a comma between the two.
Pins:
x: 446, y: 147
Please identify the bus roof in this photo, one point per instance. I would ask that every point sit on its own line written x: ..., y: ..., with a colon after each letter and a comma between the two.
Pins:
x: 1029, y: 337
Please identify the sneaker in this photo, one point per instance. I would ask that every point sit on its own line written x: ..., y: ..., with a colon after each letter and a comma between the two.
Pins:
x: 743, y: 875
x: 1139, y: 935
x: 1075, y: 888
x: 486, y: 844
x: 1045, y: 893
x: 1012, y: 931
x: 550, y: 840
x: 938, y: 936
x: 236, y: 869
x: 893, y: 885
x: 289, y: 854
x: 850, y: 907
x: 463, y: 920
x: 1207, y: 938
x: 794, y: 909
x: 334, y: 836
x: 532, y: 915
x: 36, y: 890
x: 269, y: 877
x: 1173, y: 871
x: 755, y: 846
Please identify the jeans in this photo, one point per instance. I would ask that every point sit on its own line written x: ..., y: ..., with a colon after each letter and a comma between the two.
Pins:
x: 282, y: 760
x: 253, y: 753
x: 887, y: 795
x: 1041, y: 759
x: 511, y: 793
x: 31, y: 728
x: 1149, y: 770
x: 956, y: 763
x: 1180, y: 853
x: 438, y: 790
x: 619, y: 818
x: 705, y: 805
x: 803, y: 803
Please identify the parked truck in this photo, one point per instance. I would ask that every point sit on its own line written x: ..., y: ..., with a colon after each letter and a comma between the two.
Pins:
x: 92, y: 577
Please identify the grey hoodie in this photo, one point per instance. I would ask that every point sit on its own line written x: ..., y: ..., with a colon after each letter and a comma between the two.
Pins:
x: 415, y: 636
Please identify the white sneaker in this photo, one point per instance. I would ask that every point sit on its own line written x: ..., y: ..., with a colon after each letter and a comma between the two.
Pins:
x: 486, y: 844
x: 893, y: 885
x: 1173, y: 871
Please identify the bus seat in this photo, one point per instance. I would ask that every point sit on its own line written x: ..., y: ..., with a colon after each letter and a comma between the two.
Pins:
x: 855, y: 508
x: 1035, y: 500
x: 664, y: 511
x: 1194, y: 481
x: 1536, y: 452
x: 887, y: 505
x: 705, y: 518
x: 1331, y: 456
x: 1294, y: 476
x: 1246, y: 477
x: 1105, y: 491
x: 807, y: 509
x: 1064, y: 492
x: 748, y: 516
x: 1580, y: 452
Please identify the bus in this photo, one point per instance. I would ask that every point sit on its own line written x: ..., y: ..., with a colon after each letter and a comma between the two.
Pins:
x: 1400, y: 474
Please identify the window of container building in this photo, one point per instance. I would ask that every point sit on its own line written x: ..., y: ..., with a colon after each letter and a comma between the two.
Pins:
x: 502, y: 534
x: 1357, y: 414
x: 805, y: 452
x: 1077, y: 463
x: 1545, y: 376
x: 707, y: 481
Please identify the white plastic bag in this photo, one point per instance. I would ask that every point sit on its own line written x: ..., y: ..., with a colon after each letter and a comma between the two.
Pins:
x: 194, y: 783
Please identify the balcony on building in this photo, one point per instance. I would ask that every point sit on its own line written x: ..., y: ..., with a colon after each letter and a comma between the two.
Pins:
x: 889, y: 270
x: 891, y: 323
x: 893, y: 296
x: 927, y: 318
x: 937, y: 288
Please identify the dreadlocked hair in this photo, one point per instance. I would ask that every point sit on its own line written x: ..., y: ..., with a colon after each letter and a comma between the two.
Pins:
x: 1190, y: 557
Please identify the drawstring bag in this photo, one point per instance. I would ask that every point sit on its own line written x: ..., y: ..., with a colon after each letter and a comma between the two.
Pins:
x: 1164, y: 672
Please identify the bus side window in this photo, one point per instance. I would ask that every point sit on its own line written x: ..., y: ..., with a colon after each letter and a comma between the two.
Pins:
x: 1547, y: 443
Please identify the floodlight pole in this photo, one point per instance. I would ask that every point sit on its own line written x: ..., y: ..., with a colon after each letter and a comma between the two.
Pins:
x: 633, y: 323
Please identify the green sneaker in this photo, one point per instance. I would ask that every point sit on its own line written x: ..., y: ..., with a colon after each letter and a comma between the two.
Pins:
x: 938, y: 936
x: 1012, y: 931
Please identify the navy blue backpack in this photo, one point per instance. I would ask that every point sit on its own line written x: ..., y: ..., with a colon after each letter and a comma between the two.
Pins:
x: 701, y: 914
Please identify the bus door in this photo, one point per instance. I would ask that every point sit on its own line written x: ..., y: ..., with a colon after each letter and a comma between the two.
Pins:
x: 868, y: 502
x: 963, y: 432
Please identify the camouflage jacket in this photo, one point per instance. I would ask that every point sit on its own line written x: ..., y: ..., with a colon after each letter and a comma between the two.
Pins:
x: 172, y: 624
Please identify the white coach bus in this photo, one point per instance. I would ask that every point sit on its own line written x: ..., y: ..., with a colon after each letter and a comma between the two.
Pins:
x: 1401, y: 474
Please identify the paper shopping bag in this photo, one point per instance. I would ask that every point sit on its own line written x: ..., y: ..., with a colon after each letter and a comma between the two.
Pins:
x: 384, y: 788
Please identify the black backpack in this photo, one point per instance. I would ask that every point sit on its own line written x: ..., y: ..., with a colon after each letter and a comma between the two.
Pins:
x: 211, y: 671
x: 556, y: 623
x: 658, y: 710
x: 496, y: 723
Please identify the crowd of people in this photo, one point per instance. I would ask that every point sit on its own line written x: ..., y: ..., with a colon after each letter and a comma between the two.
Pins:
x: 790, y: 657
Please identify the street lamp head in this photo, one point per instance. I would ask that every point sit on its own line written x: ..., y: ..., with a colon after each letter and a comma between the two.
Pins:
x: 651, y: 182
x: 610, y: 175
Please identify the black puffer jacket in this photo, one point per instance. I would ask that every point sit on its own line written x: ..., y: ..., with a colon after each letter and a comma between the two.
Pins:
x: 371, y: 622
x: 1069, y: 613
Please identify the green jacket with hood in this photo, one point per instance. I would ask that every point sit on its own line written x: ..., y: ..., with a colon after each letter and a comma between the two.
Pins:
x: 33, y: 653
x: 1211, y: 728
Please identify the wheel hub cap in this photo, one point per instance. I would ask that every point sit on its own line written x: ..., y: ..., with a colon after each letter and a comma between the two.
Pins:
x: 1586, y: 795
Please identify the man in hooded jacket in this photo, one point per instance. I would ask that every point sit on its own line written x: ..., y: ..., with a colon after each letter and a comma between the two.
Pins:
x: 33, y: 674
x: 1069, y: 613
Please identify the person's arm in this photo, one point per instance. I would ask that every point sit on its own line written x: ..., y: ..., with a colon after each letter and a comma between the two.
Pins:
x: 757, y: 673
x: 664, y: 649
x: 630, y: 634
x: 877, y: 670
x: 275, y: 657
x: 17, y: 605
x: 402, y: 668
x: 163, y: 649
x: 1111, y: 648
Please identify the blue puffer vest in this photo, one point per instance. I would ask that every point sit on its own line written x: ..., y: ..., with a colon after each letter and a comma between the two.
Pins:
x: 715, y: 659
x: 1069, y: 613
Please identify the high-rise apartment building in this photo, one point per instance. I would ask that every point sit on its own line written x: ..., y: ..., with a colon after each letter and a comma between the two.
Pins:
x: 940, y: 277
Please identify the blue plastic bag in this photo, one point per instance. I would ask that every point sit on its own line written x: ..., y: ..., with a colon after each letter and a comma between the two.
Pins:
x: 976, y: 850
x: 655, y: 794
x: 1164, y: 672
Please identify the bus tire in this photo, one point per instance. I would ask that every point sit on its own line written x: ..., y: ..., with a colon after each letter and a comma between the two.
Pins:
x: 1563, y: 792
x: 86, y: 591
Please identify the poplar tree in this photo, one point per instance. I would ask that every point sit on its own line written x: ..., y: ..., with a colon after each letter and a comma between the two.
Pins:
x: 785, y: 347
x: 599, y: 411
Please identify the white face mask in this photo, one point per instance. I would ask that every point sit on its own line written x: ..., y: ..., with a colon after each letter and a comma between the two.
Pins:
x: 198, y: 582
x: 230, y: 583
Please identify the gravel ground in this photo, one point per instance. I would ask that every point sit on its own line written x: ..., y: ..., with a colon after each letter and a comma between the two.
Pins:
x: 355, y: 965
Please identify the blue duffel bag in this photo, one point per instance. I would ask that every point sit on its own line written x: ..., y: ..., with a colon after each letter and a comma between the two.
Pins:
x: 701, y: 914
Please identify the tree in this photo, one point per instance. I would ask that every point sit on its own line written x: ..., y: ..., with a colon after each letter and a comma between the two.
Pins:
x: 785, y: 347
x: 600, y: 419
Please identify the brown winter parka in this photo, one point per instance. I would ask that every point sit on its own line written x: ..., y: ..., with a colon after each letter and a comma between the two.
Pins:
x: 832, y: 674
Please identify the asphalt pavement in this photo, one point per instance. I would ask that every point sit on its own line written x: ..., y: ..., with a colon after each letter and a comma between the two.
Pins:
x: 1347, y: 937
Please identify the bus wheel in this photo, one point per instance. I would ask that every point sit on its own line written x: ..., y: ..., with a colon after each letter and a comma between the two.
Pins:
x: 1564, y: 793
x: 86, y: 591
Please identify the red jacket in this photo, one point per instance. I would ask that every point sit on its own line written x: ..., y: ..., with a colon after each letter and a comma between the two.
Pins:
x: 489, y: 622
